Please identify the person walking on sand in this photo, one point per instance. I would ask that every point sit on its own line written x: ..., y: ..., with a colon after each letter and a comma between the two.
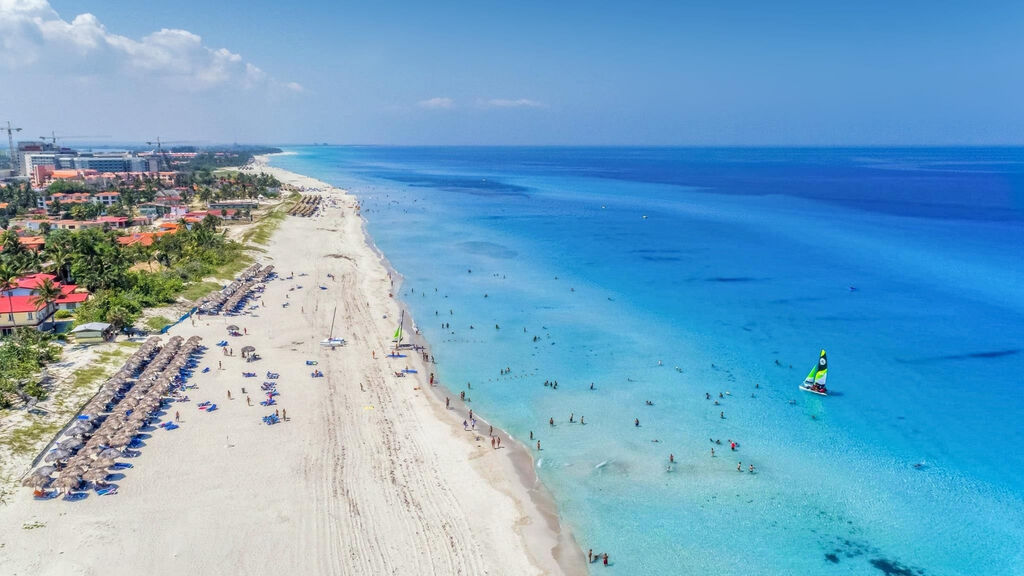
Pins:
x: 177, y: 416
x: 374, y: 352
x: 499, y: 443
x: 470, y: 413
x: 490, y: 431
x: 229, y: 394
x: 220, y: 365
x: 447, y: 403
x: 284, y: 414
x: 277, y: 413
x: 492, y: 443
x: 248, y: 401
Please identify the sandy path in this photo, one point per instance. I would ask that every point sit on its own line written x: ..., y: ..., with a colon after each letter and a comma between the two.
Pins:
x: 370, y: 475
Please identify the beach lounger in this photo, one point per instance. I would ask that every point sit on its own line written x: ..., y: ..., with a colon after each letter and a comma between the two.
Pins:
x: 109, y: 491
x: 205, y: 370
x: 48, y: 495
x: 311, y: 362
x: 74, y: 496
x: 121, y: 466
x: 211, y: 408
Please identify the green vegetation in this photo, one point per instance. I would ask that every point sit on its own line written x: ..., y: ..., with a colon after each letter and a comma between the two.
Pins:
x: 22, y: 355
x: 24, y: 440
x: 218, y: 158
x: 197, y: 290
x: 156, y: 323
x: 261, y: 233
x: 229, y: 185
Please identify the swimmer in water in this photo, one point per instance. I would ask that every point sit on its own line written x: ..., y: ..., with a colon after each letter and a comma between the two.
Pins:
x: 636, y: 422
x: 551, y: 421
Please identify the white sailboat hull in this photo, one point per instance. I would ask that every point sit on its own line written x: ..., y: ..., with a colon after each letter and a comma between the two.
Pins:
x: 807, y: 388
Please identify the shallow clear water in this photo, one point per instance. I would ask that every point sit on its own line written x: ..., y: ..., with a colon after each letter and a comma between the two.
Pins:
x: 665, y: 274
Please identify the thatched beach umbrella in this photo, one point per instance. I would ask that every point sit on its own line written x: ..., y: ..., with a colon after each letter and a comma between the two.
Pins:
x: 36, y: 481
x: 103, y: 462
x: 69, y: 483
x: 71, y: 443
x: 90, y: 450
x: 121, y: 440
x: 70, y: 472
x: 110, y: 454
x: 96, y: 475
x: 233, y: 328
x: 80, y: 427
x: 44, y: 470
x: 59, y: 454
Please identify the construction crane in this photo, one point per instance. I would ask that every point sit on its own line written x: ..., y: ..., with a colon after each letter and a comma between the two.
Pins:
x: 53, y: 138
x: 10, y: 142
x: 162, y: 154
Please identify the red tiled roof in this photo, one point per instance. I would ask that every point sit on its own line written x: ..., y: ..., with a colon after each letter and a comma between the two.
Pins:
x: 73, y: 298
x: 19, y: 304
x: 33, y: 281
x: 144, y: 238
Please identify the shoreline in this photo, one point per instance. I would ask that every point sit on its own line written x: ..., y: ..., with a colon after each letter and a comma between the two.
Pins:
x: 547, y: 538
x: 366, y: 474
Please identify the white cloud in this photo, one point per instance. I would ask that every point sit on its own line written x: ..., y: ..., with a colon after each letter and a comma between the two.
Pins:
x: 509, y: 103
x: 437, y: 103
x: 33, y: 36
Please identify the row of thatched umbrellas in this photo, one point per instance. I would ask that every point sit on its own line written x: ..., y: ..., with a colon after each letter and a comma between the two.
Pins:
x: 246, y: 288
x: 98, y: 445
x: 220, y: 300
x: 306, y: 206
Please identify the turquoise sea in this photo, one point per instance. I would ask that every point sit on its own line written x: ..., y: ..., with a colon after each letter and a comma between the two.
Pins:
x: 670, y: 274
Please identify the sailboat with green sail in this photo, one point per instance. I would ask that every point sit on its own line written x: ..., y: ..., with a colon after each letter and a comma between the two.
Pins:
x: 397, y: 338
x: 815, y: 381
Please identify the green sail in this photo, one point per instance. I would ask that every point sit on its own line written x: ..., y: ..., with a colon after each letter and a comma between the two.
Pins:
x: 819, y: 373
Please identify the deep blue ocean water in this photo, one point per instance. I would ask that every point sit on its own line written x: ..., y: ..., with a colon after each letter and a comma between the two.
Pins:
x: 666, y: 274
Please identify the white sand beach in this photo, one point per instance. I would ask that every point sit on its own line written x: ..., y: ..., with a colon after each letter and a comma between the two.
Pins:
x: 369, y: 474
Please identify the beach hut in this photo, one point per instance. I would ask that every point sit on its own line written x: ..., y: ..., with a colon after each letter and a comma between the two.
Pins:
x: 93, y: 333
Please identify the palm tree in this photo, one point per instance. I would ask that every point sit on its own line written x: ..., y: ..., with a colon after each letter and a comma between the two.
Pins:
x: 8, y: 282
x: 60, y: 257
x: 48, y: 292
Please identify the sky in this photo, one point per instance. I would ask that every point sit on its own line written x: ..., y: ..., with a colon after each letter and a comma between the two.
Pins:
x: 523, y: 72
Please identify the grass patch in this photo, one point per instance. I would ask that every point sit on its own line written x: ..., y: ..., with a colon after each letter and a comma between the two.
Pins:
x: 129, y: 344
x: 197, y: 290
x: 97, y: 370
x: 156, y: 323
x: 261, y: 232
x: 25, y: 439
x: 231, y: 269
